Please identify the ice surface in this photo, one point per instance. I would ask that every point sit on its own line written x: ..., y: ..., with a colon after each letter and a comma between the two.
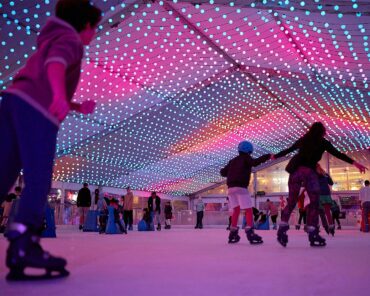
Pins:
x: 184, y: 261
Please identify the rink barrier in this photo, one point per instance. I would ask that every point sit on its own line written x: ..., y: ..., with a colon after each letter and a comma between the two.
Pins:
x: 50, y: 228
x: 68, y: 215
x: 112, y: 227
x: 91, y: 221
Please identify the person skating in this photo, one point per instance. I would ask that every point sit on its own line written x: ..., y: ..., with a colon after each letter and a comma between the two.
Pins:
x: 168, y: 215
x: 325, y: 200
x: 238, y: 172
x: 83, y: 203
x: 335, y: 211
x: 301, y: 211
x: 157, y: 210
x: 199, y: 207
x: 32, y: 108
x: 128, y: 214
x: 302, y: 170
x: 364, y: 198
x: 273, y: 212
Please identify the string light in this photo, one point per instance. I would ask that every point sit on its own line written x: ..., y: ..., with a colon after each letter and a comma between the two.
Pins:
x: 179, y: 85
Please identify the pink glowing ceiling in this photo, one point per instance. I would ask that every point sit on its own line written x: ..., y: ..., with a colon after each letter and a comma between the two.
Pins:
x: 180, y: 83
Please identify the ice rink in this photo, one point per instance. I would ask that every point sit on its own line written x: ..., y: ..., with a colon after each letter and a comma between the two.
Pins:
x: 185, y: 261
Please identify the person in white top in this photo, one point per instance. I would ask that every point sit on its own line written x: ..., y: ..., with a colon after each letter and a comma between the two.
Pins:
x: 365, y: 204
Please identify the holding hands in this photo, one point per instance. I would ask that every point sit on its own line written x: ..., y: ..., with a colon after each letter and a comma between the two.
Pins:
x: 87, y: 107
x: 360, y: 167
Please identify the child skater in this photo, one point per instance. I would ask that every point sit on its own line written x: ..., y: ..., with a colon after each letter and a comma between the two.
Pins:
x: 325, y: 200
x: 302, y: 172
x: 335, y: 211
x: 301, y: 210
x: 32, y: 108
x: 238, y: 172
x: 167, y: 215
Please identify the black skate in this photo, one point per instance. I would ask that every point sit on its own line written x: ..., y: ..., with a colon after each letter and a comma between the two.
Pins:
x: 331, y: 229
x: 234, y: 236
x: 315, y: 239
x: 327, y: 229
x: 298, y: 227
x: 159, y: 227
x: 25, y: 251
x: 253, y: 238
x: 282, y: 237
x: 339, y: 227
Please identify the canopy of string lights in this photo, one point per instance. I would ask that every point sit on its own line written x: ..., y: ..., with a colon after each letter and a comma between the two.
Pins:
x: 178, y: 84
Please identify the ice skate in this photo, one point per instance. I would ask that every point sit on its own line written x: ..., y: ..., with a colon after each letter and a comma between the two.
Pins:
x: 298, y: 227
x: 315, y: 239
x: 326, y: 229
x: 234, y: 236
x: 274, y: 227
x: 25, y: 251
x: 339, y: 227
x: 159, y: 227
x: 331, y: 229
x: 282, y: 237
x: 252, y: 237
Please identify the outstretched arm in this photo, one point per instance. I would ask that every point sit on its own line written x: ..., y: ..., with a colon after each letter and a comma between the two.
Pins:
x: 360, y: 167
x: 295, y: 146
x: 333, y: 151
x: 261, y: 159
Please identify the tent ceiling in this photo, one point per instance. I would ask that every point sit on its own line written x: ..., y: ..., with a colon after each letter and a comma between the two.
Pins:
x: 180, y: 83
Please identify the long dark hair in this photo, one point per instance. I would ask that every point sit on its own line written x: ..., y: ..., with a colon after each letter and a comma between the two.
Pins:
x: 315, y: 134
x: 313, y: 137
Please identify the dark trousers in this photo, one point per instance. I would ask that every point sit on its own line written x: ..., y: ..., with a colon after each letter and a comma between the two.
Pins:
x: 273, y: 219
x: 365, y: 212
x: 302, y: 216
x: 335, y: 215
x: 199, y: 219
x: 324, y: 220
x: 27, y: 141
x: 307, y: 178
x: 128, y: 217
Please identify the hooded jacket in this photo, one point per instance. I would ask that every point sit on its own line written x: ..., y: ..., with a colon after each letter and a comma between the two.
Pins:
x: 58, y: 42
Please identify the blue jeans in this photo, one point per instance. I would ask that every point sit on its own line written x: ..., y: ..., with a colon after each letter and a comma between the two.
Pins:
x: 27, y: 141
x: 307, y: 178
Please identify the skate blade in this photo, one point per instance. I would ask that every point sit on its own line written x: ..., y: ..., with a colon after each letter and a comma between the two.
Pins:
x: 256, y: 243
x: 49, y: 275
x: 282, y: 243
x: 234, y: 241
x: 318, y: 245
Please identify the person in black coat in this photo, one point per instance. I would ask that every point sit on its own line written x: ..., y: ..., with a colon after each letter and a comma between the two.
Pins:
x: 83, y: 203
